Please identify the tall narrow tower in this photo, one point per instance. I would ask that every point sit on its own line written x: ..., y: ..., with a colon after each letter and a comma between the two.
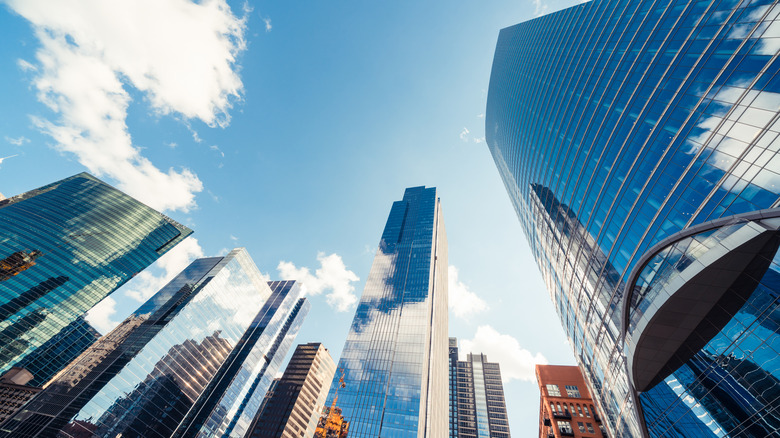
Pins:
x: 395, y: 357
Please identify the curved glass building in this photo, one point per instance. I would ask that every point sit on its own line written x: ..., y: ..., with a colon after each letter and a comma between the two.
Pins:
x: 638, y: 142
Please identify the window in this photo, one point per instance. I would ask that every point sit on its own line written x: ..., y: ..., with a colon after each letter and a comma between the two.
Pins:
x: 587, y: 413
x: 579, y: 410
x: 572, y: 391
x: 564, y: 426
x: 553, y: 391
x: 581, y: 427
x: 552, y: 407
x: 590, y: 428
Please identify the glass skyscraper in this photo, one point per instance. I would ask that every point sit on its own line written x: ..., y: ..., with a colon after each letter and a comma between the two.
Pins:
x: 638, y: 142
x: 63, y: 248
x: 395, y: 357
x: 477, y: 404
x: 193, y: 361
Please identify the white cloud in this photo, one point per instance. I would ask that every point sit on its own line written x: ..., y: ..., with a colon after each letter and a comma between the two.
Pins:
x: 179, y: 54
x: 5, y: 158
x: 17, y: 141
x: 100, y: 315
x: 332, y: 276
x: 25, y: 66
x: 540, y: 7
x: 146, y: 284
x: 515, y: 361
x: 481, y: 115
x: 464, y: 135
x: 267, y: 22
x: 217, y: 149
x: 479, y: 140
x: 233, y: 238
x: 462, y: 301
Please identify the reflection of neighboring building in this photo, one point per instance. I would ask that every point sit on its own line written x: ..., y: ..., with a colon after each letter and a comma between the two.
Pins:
x: 192, y: 360
x: 15, y: 391
x: 396, y: 348
x: 477, y: 404
x: 64, y: 247
x: 56, y: 353
x: 294, y: 405
x: 638, y: 142
x: 565, y: 408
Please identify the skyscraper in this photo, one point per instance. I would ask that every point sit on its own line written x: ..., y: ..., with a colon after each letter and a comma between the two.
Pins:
x: 638, y: 143
x: 477, y: 404
x: 565, y: 406
x: 63, y: 248
x: 395, y: 356
x: 194, y: 360
x: 294, y: 408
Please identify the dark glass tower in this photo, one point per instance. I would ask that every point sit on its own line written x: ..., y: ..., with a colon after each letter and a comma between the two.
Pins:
x: 395, y: 357
x: 638, y: 142
x: 194, y: 360
x: 63, y: 248
x: 477, y: 404
x: 296, y: 400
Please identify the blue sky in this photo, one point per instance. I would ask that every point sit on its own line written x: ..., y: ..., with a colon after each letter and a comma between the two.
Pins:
x: 288, y: 128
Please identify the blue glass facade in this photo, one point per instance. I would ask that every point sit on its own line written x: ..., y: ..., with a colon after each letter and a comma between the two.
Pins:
x: 194, y: 360
x: 618, y: 127
x: 63, y: 248
x: 395, y: 357
x: 56, y: 353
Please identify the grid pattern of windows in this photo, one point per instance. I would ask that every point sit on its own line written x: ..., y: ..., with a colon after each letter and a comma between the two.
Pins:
x: 572, y: 391
x: 553, y: 390
x: 396, y: 348
x: 163, y: 368
x: 64, y: 247
x: 481, y: 408
x: 615, y: 124
x: 298, y: 397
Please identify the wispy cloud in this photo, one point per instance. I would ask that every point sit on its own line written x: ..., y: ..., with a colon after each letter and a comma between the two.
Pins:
x: 5, y: 158
x: 153, y: 278
x: 179, y: 54
x: 267, y: 22
x: 18, y: 141
x: 332, y: 276
x: 516, y: 362
x: 217, y: 150
x: 540, y: 7
x: 462, y: 301
x: 464, y: 134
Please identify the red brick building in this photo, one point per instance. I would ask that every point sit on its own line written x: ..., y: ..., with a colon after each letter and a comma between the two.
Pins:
x: 565, y: 408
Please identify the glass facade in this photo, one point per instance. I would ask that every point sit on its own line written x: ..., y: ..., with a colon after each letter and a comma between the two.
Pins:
x: 395, y: 356
x: 616, y: 126
x: 477, y: 404
x: 194, y: 360
x: 64, y: 247
x: 56, y: 353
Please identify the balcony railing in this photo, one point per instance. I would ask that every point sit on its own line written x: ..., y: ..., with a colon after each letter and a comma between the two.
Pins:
x: 564, y: 415
x: 567, y: 433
